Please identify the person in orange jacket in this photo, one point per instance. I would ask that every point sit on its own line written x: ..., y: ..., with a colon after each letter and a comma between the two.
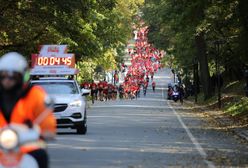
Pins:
x: 21, y: 103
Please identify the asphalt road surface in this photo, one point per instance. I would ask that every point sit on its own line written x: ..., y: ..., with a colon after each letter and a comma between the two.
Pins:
x: 150, y: 132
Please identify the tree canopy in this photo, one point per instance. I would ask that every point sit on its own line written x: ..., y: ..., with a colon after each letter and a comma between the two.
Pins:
x: 190, y: 30
x: 95, y: 30
x: 89, y: 27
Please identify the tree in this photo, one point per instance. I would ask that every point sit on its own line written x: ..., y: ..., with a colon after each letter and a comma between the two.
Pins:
x: 187, y: 29
x: 95, y: 30
x: 89, y: 27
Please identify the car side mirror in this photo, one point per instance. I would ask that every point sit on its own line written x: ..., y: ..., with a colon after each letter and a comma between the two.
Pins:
x: 85, y: 92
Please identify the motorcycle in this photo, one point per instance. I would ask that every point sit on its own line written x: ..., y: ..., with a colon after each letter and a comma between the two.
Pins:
x: 12, y: 139
x: 175, y: 96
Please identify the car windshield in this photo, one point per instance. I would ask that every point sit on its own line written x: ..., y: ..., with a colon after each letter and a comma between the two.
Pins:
x: 58, y: 87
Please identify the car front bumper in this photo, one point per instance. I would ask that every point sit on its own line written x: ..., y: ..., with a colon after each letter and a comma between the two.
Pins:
x: 70, y: 117
x: 67, y: 123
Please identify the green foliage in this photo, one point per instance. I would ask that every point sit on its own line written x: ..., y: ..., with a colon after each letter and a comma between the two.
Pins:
x: 95, y: 30
x: 175, y: 25
x: 238, y: 108
x: 87, y: 68
x: 95, y: 68
x: 90, y: 27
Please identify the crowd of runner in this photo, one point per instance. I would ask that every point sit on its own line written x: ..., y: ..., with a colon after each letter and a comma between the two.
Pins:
x: 104, y: 91
x: 145, y: 62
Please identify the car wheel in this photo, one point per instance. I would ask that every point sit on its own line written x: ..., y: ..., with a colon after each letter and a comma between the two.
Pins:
x: 82, y: 129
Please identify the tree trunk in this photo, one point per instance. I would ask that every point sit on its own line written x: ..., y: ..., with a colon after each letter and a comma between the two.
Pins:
x: 203, y: 61
x: 243, y: 19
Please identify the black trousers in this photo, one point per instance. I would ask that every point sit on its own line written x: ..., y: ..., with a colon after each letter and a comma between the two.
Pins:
x: 41, y: 157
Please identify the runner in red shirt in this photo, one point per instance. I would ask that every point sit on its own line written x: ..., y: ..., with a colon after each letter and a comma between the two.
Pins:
x: 145, y: 87
x: 133, y: 92
x: 152, y: 74
x: 138, y: 90
x: 110, y: 92
x: 93, y: 88
x: 105, y: 90
x: 115, y: 91
x: 125, y: 90
x: 100, y: 90
x: 85, y: 85
x: 153, y: 86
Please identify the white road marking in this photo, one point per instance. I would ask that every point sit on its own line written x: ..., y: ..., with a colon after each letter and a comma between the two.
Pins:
x: 199, y: 148
x: 193, y: 139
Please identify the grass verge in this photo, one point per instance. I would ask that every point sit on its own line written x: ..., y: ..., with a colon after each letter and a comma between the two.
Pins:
x: 233, y: 101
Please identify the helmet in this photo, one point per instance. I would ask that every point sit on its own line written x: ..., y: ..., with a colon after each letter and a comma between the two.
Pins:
x: 13, y: 62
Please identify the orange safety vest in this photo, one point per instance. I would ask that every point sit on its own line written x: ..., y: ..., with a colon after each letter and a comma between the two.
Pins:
x: 29, y: 107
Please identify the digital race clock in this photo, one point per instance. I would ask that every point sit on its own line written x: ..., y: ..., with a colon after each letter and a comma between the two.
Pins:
x: 68, y: 60
x: 45, y: 61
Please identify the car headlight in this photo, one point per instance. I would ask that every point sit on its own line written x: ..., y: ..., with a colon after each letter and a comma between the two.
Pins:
x: 8, y: 139
x: 77, y: 103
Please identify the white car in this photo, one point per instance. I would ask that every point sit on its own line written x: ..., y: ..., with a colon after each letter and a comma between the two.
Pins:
x: 69, y: 102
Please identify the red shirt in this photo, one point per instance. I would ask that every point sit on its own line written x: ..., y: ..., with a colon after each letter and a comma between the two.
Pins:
x: 93, y: 86
x: 100, y: 85
x: 146, y: 84
x: 113, y: 87
x: 85, y: 85
x: 105, y: 85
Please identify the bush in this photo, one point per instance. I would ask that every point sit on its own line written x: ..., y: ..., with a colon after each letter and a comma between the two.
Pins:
x: 238, y: 108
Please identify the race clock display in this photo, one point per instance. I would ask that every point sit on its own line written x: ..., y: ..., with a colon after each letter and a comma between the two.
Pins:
x: 46, y: 61
x: 53, y: 61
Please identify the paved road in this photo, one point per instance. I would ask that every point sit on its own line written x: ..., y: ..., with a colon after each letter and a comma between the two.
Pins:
x: 150, y: 132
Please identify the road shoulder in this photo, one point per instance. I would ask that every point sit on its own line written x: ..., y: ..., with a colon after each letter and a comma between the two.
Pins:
x: 221, y: 120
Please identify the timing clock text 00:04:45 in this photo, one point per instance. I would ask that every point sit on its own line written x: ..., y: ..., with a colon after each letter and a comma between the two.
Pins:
x: 45, y: 61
